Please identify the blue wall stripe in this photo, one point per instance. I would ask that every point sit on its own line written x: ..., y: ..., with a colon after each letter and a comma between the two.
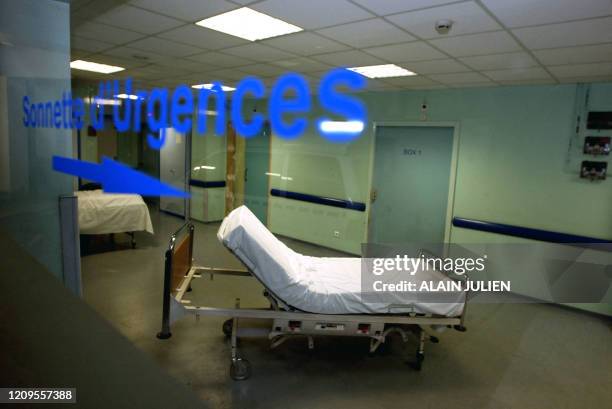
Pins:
x: 524, y: 232
x: 327, y: 201
x: 211, y: 184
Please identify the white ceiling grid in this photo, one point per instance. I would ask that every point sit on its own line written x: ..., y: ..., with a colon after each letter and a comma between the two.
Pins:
x: 492, y: 42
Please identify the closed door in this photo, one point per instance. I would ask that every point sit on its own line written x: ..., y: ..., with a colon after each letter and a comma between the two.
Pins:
x: 412, y: 169
x: 173, y: 170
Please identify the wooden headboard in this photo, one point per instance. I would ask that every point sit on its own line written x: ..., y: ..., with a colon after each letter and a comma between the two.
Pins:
x: 181, y: 259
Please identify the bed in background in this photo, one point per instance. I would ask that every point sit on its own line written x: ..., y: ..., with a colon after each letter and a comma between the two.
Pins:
x: 106, y: 213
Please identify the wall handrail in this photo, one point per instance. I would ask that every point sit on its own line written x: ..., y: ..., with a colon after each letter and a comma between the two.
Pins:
x: 322, y: 200
x: 525, y: 232
x: 206, y: 184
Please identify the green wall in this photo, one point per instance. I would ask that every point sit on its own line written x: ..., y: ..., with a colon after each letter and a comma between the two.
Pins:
x: 513, y: 149
x: 515, y: 166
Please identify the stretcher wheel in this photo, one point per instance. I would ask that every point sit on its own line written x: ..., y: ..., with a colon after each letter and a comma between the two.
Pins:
x: 418, y: 363
x: 240, y: 369
x: 227, y: 327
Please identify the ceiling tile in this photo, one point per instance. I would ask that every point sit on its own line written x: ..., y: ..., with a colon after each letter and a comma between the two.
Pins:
x: 517, y: 13
x: 566, y: 34
x: 383, y: 7
x: 500, y: 61
x: 581, y: 70
x: 529, y: 82
x: 91, y: 46
x: 477, y: 44
x: 164, y: 47
x: 368, y: 33
x: 263, y: 70
x: 590, y: 79
x: 435, y: 67
x: 459, y: 78
x: 377, y: 85
x: 415, y: 51
x: 154, y: 72
x: 305, y: 43
x: 301, y: 64
x: 532, y: 73
x: 202, y: 37
x: 257, y: 52
x: 128, y: 52
x: 428, y: 87
x: 76, y: 54
x: 413, y: 81
x: 102, y: 32
x: 193, y: 66
x: 118, y: 61
x: 139, y: 20
x: 312, y: 14
x: 220, y: 59
x: 232, y: 74
x: 482, y: 84
x: 575, y: 55
x: 352, y: 58
x: 467, y: 18
x: 189, y: 10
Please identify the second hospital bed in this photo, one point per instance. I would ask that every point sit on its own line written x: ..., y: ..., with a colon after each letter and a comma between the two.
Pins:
x: 309, y: 296
x: 106, y: 213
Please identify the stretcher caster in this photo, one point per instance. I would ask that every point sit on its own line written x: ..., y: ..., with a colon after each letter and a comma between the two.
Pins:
x: 434, y: 340
x: 418, y: 363
x: 227, y: 327
x: 163, y: 335
x: 240, y: 369
x: 460, y: 328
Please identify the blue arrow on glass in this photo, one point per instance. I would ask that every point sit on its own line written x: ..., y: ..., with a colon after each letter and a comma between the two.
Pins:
x: 116, y: 177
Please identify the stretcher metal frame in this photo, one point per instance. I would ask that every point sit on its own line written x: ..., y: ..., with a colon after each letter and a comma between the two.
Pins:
x: 287, y: 321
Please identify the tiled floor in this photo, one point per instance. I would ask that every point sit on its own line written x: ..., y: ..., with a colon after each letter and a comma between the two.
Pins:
x: 512, y: 356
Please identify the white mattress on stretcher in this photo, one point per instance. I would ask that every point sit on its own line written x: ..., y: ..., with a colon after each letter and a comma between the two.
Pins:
x: 322, y: 285
x: 105, y: 213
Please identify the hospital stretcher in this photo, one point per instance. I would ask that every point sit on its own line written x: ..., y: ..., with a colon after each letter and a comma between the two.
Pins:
x: 105, y: 213
x: 297, y: 306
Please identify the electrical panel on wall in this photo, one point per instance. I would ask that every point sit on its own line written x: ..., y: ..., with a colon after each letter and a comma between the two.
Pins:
x: 597, y: 145
x: 593, y: 170
x: 599, y: 120
x: 589, y: 145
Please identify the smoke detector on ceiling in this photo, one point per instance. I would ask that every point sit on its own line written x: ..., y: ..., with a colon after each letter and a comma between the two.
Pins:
x: 444, y: 26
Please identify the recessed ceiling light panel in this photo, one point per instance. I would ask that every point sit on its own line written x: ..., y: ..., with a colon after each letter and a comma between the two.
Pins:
x: 248, y: 24
x: 382, y: 71
x: 95, y: 67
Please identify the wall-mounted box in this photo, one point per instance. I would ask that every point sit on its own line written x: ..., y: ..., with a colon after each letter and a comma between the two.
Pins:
x: 599, y: 120
x: 593, y: 170
x: 597, y: 145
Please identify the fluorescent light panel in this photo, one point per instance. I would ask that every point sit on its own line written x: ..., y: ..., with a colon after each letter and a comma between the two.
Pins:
x: 341, y: 126
x: 248, y: 24
x: 95, y: 67
x: 209, y: 86
x: 382, y: 71
x: 126, y: 96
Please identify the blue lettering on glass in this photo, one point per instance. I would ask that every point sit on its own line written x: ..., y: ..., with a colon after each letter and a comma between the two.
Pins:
x: 279, y: 105
x: 116, y: 177
x: 69, y: 113
x: 156, y: 124
x: 204, y: 93
x: 258, y: 90
x: 351, y: 108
